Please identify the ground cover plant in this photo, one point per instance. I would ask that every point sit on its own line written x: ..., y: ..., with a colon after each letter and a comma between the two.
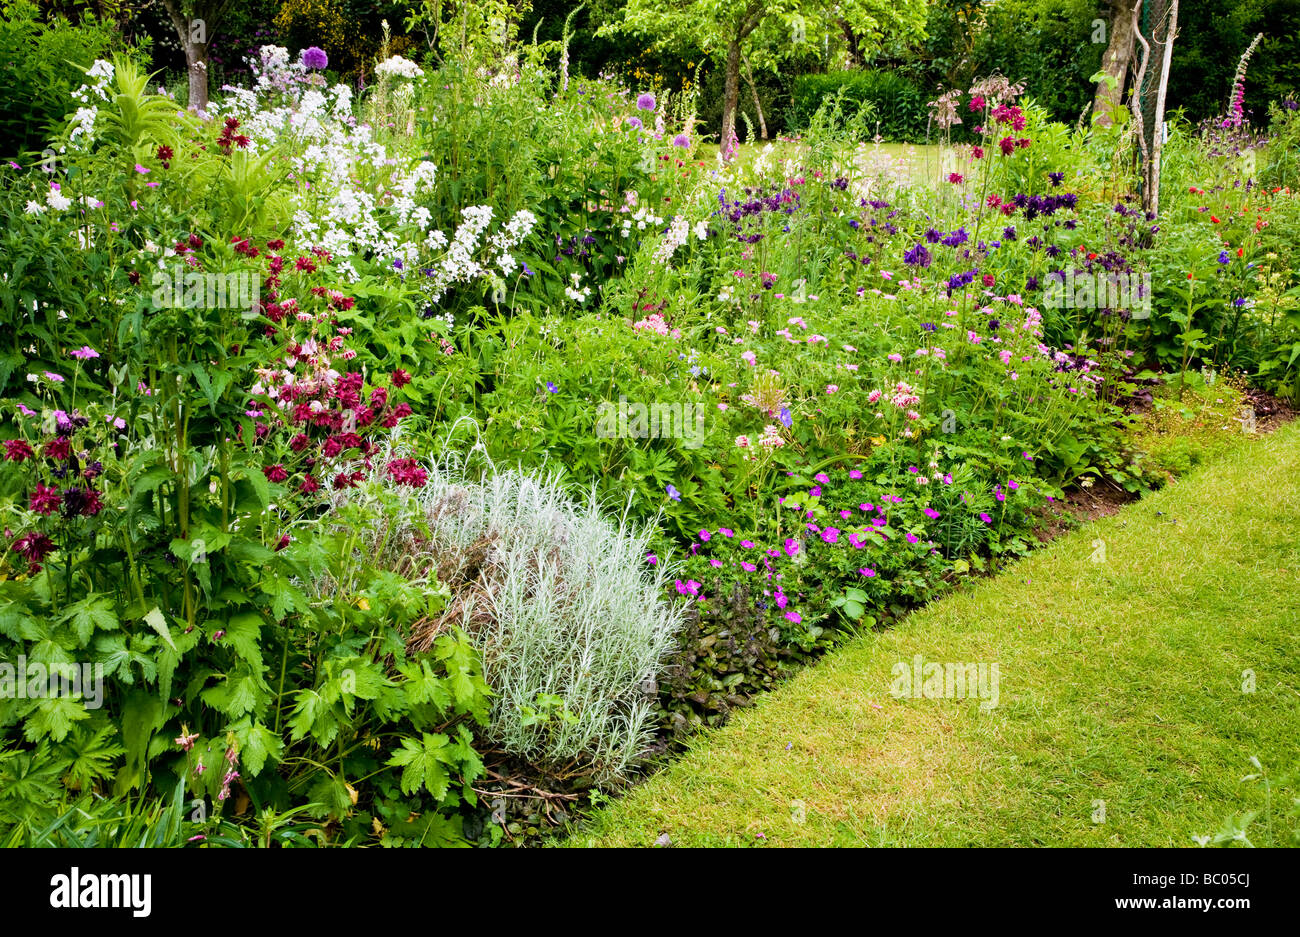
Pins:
x: 415, y: 451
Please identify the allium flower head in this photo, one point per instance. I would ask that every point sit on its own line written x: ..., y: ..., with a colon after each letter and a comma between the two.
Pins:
x: 315, y: 57
x: 645, y: 102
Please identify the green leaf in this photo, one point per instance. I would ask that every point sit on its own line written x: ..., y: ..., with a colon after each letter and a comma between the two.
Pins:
x: 142, y: 715
x: 423, y: 763
x: 158, y: 623
x: 244, y: 633
x: 94, y: 611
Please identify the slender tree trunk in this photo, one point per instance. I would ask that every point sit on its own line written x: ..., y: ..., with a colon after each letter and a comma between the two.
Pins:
x: 1115, y: 61
x: 758, y: 106
x: 730, y: 94
x: 1151, y: 190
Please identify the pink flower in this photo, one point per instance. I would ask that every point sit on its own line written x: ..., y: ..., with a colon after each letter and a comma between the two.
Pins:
x: 85, y: 351
x: 794, y: 617
x: 140, y: 169
x: 832, y: 388
x: 749, y: 358
x: 867, y: 571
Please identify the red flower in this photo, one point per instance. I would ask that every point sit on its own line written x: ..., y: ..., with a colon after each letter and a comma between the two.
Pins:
x: 165, y: 154
x: 977, y: 152
x: 33, y: 547
x: 309, y: 485
x: 407, y: 472
x: 955, y: 178
x: 299, y: 442
x: 45, y: 500
x: 58, y: 448
x: 302, y: 263
x: 379, y: 397
x: 283, y: 542
x: 401, y: 378
x: 275, y: 245
x: 1214, y: 220
x: 17, y: 450
x: 275, y: 473
x: 134, y: 277
x: 397, y: 413
x: 1008, y: 146
x: 989, y: 279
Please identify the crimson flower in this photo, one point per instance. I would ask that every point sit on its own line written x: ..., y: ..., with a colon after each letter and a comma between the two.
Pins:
x: 45, y: 500
x: 275, y: 473
x: 17, y: 450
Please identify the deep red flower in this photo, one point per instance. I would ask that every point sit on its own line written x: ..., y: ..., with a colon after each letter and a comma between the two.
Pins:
x: 309, y: 485
x: 17, y: 450
x: 275, y: 244
x: 401, y: 378
x: 45, y: 500
x: 275, y: 473
x: 33, y: 547
x: 1008, y: 146
x: 407, y: 472
x: 58, y: 448
x: 977, y: 152
x: 394, y: 415
x: 133, y: 277
x: 299, y: 442
x: 379, y: 397
x: 302, y: 263
x: 282, y: 543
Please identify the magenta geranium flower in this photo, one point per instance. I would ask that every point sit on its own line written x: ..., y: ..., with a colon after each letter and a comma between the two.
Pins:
x: 84, y: 352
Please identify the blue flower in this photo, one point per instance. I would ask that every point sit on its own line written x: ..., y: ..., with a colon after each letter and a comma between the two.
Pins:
x: 527, y: 272
x: 1223, y: 257
x: 552, y: 388
x: 673, y: 492
x: 786, y: 419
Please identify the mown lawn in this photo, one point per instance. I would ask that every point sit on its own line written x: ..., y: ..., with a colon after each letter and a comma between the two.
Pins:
x: 1122, y: 651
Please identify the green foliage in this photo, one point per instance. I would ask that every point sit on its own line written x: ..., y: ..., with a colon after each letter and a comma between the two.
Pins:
x: 895, y: 105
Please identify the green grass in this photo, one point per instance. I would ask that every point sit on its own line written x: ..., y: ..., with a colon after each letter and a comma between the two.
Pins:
x: 1120, y: 681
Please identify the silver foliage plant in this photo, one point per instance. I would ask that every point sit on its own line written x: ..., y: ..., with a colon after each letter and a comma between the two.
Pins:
x: 557, y: 594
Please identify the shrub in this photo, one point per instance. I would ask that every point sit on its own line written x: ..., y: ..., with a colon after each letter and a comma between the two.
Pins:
x: 897, y: 104
x: 561, y: 601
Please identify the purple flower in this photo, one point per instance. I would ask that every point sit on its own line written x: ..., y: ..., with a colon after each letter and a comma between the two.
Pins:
x: 635, y: 123
x: 786, y: 419
x: 85, y: 351
x: 791, y: 547
x: 645, y: 102
x: 551, y: 388
x: 652, y: 559
x: 705, y: 535
x: 673, y: 492
x: 794, y: 617
x: 682, y: 141
x: 314, y: 57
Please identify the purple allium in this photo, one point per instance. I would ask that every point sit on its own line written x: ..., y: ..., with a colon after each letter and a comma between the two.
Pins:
x: 314, y: 57
x: 682, y: 141
x: 635, y: 123
x: 645, y: 102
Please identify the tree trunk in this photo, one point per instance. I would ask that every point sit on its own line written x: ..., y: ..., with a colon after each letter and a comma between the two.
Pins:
x: 1115, y: 61
x: 1151, y: 188
x: 196, y: 53
x: 731, y: 94
x: 196, y: 64
x: 758, y: 106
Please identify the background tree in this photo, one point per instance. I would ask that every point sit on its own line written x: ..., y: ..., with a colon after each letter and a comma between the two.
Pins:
x: 195, y: 22
x: 763, y: 33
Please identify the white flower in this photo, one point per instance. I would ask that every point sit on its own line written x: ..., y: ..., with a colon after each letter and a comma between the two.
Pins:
x: 399, y: 67
x: 34, y: 208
